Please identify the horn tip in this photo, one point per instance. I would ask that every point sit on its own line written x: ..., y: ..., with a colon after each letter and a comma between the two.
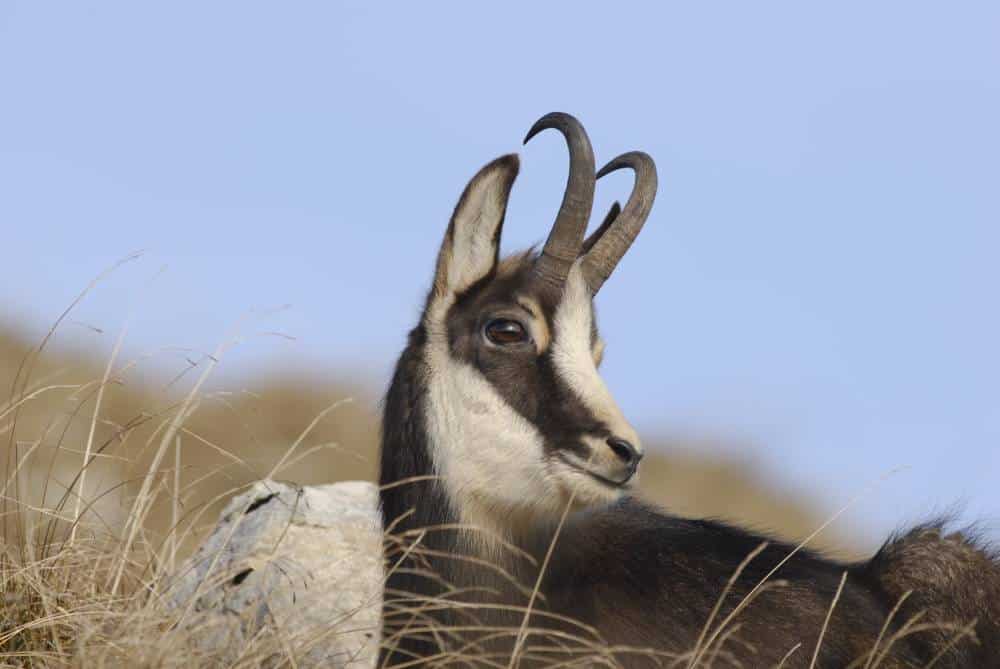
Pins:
x: 612, y: 166
x: 606, y: 170
x: 550, y: 120
x: 535, y: 129
x: 631, y: 159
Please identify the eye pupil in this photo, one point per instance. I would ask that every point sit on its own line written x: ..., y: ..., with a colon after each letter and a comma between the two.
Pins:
x: 505, y: 331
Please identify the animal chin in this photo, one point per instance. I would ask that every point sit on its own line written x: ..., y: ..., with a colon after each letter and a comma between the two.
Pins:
x: 589, y: 486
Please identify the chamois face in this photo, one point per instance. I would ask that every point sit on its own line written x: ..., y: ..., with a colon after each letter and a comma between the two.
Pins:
x: 519, y: 421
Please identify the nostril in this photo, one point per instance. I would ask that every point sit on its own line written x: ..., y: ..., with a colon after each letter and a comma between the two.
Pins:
x: 625, y: 451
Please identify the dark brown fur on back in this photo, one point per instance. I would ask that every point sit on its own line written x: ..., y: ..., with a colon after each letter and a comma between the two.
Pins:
x: 642, y: 579
x: 949, y: 580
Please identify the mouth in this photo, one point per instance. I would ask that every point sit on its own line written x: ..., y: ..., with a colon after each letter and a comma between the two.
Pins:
x: 603, y: 480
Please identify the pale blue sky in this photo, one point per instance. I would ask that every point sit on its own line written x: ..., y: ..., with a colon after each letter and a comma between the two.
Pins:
x: 817, y: 284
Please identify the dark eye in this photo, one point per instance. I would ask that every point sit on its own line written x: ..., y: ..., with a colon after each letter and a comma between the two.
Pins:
x: 503, y: 332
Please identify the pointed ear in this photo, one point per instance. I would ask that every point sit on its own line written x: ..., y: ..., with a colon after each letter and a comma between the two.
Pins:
x: 471, y: 247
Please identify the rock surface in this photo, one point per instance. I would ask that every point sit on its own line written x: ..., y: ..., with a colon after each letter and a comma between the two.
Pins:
x: 300, y: 563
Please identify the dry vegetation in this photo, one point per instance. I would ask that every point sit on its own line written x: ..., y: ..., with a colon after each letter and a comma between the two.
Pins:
x: 83, y: 547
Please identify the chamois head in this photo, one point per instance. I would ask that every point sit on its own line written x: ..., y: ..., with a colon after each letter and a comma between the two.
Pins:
x: 518, y: 419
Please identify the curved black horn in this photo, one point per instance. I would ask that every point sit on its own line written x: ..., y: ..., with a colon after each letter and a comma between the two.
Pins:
x: 605, y: 252
x: 563, y: 245
x: 609, y: 218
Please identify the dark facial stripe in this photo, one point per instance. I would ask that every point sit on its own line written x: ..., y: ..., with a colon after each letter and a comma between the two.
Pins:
x: 524, y: 377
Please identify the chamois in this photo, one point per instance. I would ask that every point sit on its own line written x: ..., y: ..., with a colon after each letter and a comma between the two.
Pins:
x: 507, y: 473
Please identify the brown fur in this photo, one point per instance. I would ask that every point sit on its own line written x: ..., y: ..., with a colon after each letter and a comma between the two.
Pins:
x: 951, y: 580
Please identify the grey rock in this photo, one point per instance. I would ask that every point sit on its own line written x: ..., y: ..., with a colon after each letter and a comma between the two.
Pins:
x: 299, y: 568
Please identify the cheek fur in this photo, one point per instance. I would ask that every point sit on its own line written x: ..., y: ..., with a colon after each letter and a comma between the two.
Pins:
x: 597, y: 352
x: 490, y: 458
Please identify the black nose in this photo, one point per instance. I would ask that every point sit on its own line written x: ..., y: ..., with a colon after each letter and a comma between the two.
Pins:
x: 626, y: 452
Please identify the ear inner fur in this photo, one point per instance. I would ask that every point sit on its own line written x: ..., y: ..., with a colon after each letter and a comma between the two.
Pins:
x: 472, y: 244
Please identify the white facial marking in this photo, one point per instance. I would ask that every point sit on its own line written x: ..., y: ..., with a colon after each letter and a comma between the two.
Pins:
x: 598, y: 352
x: 573, y: 356
x: 585, y: 491
x: 491, y: 459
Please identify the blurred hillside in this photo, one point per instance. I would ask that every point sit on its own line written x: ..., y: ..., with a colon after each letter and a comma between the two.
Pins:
x: 231, y: 437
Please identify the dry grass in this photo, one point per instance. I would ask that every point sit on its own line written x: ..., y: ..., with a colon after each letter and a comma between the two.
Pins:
x: 59, y: 611
x: 112, y: 476
x: 549, y: 640
x: 108, y: 483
